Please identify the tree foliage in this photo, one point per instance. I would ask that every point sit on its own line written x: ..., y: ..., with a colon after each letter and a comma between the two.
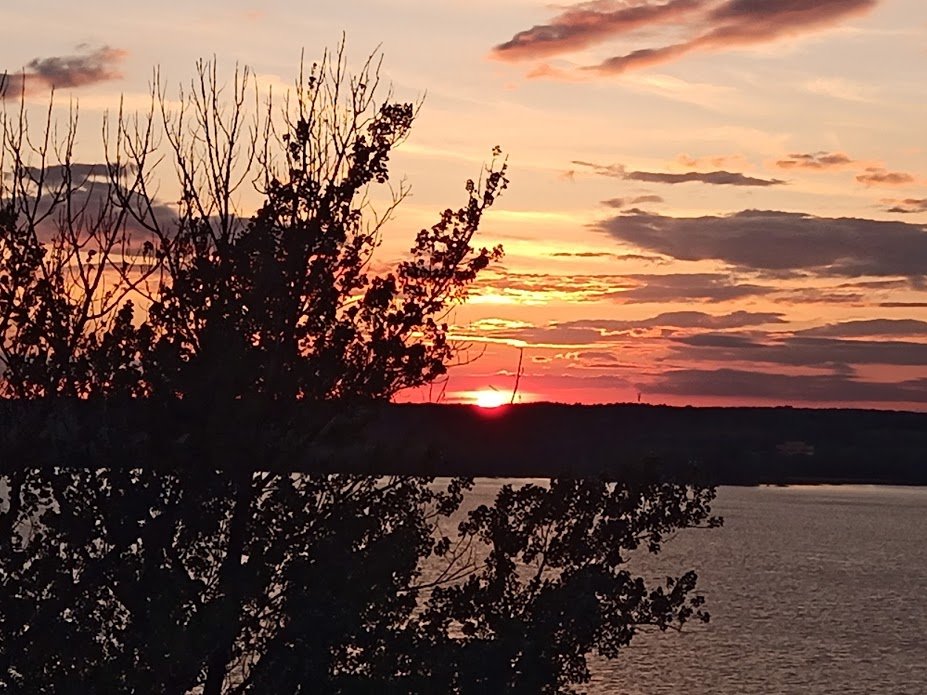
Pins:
x: 183, y: 555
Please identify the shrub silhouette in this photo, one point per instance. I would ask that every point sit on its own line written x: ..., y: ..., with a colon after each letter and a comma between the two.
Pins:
x: 168, y: 546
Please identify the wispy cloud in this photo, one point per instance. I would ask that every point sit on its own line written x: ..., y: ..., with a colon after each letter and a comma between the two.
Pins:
x: 681, y: 319
x: 869, y: 173
x: 906, y: 206
x: 805, y: 388
x: 88, y: 66
x: 816, y: 160
x: 589, y: 23
x: 507, y: 288
x: 584, y: 333
x: 646, y: 199
x: 635, y: 257
x: 638, y: 200
x: 688, y: 287
x: 878, y: 176
x: 712, y: 25
x: 715, y: 178
x: 802, y: 350
x: 869, y: 328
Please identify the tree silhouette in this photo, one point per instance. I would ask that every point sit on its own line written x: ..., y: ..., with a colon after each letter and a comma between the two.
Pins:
x: 170, y: 547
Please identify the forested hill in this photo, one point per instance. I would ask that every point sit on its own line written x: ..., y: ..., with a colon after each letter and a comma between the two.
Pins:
x: 723, y: 445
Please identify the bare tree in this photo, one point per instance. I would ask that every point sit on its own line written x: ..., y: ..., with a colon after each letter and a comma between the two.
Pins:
x: 68, y: 261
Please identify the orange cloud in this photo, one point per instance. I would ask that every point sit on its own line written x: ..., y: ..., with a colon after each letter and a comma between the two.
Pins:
x: 877, y: 176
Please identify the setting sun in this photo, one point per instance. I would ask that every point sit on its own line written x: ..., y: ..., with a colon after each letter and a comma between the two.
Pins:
x: 490, y: 398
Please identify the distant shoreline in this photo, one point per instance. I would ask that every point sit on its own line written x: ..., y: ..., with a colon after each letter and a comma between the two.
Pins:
x: 723, y: 446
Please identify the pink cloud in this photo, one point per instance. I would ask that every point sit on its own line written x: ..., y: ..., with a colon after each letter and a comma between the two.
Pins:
x: 714, y: 25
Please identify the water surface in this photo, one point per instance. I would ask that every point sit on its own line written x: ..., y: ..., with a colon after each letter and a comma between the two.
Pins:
x: 812, y: 590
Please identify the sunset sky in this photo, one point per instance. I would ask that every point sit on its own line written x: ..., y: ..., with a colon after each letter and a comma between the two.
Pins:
x: 711, y: 201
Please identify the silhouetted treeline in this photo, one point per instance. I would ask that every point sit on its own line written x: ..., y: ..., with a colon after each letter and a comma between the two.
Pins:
x: 725, y: 446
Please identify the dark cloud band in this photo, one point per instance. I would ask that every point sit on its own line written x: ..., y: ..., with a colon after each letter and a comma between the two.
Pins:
x: 817, y: 388
x: 775, y: 242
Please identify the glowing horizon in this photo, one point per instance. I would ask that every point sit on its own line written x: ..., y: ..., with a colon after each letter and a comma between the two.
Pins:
x: 712, y: 202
